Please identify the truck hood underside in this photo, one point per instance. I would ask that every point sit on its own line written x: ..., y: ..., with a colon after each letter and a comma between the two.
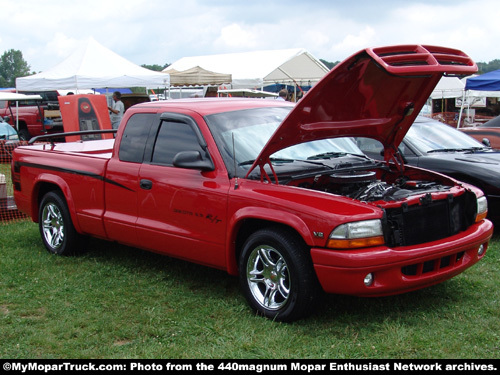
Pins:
x: 376, y: 93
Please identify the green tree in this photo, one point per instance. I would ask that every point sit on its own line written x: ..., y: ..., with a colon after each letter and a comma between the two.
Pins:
x: 488, y: 67
x: 329, y: 64
x: 155, y: 67
x: 12, y: 65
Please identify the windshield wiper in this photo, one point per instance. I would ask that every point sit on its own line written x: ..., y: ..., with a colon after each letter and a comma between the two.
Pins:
x: 327, y: 155
x: 475, y: 149
x: 467, y: 149
x: 273, y: 160
x: 448, y: 150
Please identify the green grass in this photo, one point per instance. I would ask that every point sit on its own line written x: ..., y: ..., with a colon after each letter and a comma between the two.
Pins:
x: 5, y: 170
x: 120, y: 302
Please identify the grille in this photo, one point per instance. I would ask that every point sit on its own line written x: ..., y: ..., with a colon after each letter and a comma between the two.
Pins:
x: 430, y: 220
x: 433, y: 265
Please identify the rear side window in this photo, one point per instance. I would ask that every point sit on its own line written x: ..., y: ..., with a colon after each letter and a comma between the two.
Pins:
x: 135, y: 136
x: 174, y: 137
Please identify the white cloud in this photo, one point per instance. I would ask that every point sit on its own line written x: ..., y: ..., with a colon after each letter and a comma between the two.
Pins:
x: 352, y: 43
x: 162, y: 31
x: 235, y: 36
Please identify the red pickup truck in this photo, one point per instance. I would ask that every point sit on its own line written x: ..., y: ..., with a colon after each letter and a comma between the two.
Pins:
x: 275, y: 193
x: 32, y: 117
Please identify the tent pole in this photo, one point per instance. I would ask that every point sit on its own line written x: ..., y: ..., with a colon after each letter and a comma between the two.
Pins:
x: 293, y: 80
x: 461, y: 110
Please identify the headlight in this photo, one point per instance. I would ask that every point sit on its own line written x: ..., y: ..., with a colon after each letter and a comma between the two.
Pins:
x: 357, y: 234
x: 482, y: 208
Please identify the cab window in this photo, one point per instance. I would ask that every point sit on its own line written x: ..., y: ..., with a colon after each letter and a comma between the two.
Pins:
x: 135, y: 135
x: 174, y: 137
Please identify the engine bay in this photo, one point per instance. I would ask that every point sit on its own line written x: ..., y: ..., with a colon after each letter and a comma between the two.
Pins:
x: 439, y: 210
x: 367, y: 186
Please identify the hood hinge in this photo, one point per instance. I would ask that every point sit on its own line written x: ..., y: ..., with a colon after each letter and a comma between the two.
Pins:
x: 392, y: 155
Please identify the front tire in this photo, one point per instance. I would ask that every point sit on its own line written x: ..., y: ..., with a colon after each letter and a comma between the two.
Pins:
x: 56, y: 228
x: 277, y: 276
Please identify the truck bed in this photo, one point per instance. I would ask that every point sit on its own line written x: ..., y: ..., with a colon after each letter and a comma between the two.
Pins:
x: 79, y: 166
x: 100, y: 148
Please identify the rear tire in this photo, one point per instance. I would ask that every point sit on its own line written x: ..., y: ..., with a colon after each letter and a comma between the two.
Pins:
x: 56, y: 228
x: 24, y: 135
x: 277, y: 276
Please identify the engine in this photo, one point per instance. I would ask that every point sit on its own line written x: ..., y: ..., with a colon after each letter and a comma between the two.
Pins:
x: 365, y: 186
x: 428, y: 220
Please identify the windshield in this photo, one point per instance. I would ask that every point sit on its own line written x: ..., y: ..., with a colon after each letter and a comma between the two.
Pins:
x: 431, y: 136
x: 247, y: 132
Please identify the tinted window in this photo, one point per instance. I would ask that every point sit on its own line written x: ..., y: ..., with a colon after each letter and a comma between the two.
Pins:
x: 135, y: 136
x: 174, y: 137
x: 375, y: 149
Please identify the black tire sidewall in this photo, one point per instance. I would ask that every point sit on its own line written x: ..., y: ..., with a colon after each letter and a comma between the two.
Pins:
x: 70, y: 243
x: 302, y: 291
x: 24, y: 135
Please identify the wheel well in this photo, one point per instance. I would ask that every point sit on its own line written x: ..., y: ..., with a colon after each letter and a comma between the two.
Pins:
x: 250, y: 226
x: 43, y: 188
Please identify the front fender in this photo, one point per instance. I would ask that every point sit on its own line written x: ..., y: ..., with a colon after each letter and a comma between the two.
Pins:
x: 265, y: 215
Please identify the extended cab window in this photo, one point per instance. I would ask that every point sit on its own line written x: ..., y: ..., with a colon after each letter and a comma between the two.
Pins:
x: 174, y: 137
x: 135, y: 136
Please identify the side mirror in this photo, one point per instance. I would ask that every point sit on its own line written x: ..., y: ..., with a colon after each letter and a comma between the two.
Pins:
x: 6, y: 119
x: 192, y: 160
x: 486, y: 142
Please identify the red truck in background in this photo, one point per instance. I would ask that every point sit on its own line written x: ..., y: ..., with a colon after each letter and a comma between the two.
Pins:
x: 32, y: 118
x: 274, y: 193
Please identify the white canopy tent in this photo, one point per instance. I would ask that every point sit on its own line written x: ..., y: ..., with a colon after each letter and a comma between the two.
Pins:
x: 448, y: 87
x: 13, y: 96
x: 258, y: 68
x: 196, y: 76
x: 93, y: 66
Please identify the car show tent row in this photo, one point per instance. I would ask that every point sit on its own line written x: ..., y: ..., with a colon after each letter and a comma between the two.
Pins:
x: 93, y: 66
x: 468, y: 90
x: 253, y: 70
x: 453, y: 87
x: 484, y: 85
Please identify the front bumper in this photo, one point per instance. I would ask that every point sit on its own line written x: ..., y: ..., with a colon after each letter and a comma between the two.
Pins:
x: 402, y: 269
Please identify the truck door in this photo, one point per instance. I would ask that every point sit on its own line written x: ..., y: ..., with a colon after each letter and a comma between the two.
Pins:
x: 122, y: 180
x: 181, y: 211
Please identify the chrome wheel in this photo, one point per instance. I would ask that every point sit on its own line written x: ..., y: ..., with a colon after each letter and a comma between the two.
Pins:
x: 56, y: 228
x: 268, y: 277
x: 53, y: 226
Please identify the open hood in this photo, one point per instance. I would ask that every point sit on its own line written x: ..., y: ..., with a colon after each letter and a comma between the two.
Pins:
x: 375, y: 93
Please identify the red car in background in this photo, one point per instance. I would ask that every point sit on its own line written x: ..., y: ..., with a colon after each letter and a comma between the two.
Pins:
x: 487, y: 133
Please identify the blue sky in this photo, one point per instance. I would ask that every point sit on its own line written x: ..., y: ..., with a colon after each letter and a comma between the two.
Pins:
x: 163, y: 31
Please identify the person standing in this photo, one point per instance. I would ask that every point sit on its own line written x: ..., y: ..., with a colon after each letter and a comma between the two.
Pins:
x: 117, y: 110
x: 283, y: 94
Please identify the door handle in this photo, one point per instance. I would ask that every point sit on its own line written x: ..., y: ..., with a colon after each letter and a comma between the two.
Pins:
x: 146, y: 184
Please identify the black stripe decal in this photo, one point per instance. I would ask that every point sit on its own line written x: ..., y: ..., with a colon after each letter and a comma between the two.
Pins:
x: 73, y: 171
